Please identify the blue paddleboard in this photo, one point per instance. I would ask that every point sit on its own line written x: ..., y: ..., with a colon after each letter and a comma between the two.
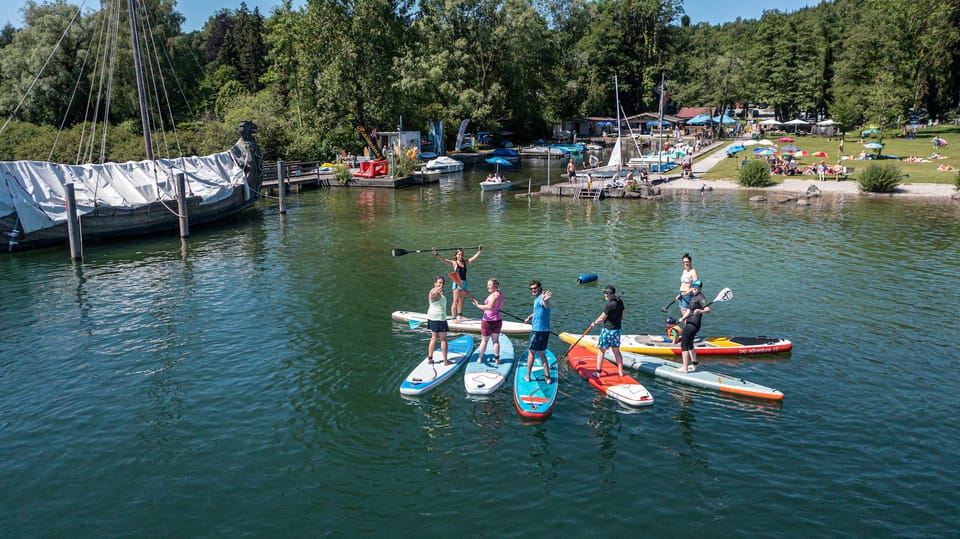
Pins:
x: 535, y: 399
x: 431, y: 372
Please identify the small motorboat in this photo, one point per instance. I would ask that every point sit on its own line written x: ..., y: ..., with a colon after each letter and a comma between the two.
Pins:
x: 444, y: 164
x: 495, y: 183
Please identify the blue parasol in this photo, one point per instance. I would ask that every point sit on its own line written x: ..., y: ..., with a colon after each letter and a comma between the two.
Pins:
x: 873, y: 145
x: 498, y: 161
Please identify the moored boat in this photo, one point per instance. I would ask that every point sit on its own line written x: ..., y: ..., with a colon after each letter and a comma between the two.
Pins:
x: 444, y: 164
x: 496, y: 183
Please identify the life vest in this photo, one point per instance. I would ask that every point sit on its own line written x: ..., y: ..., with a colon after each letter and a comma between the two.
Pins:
x: 673, y: 333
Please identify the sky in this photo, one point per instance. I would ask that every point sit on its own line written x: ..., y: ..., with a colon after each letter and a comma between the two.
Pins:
x: 198, y: 11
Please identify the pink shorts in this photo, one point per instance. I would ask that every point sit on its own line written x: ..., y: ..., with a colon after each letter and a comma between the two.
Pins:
x: 490, y: 327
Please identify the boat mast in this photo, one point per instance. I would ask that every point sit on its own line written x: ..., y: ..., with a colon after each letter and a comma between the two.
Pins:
x: 618, y: 146
x: 663, y: 90
x: 138, y: 68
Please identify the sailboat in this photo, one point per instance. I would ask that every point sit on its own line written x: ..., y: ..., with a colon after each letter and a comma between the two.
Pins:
x: 115, y: 200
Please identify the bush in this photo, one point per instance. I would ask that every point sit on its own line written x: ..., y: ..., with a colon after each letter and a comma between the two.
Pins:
x: 342, y: 174
x: 956, y: 181
x: 405, y: 162
x: 880, y: 178
x: 754, y: 174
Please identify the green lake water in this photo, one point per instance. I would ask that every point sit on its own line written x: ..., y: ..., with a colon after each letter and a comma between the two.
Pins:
x: 246, y: 381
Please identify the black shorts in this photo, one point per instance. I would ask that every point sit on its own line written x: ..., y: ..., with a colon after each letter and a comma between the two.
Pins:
x: 438, y: 326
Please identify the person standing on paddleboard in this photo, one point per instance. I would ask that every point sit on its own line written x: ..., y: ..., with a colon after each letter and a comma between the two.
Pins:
x: 686, y: 277
x: 539, y: 321
x: 437, y: 319
x: 612, y: 319
x: 492, y: 320
x: 459, y: 264
x: 698, y: 306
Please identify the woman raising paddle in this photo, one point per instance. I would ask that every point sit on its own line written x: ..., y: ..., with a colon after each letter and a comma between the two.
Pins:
x: 459, y: 264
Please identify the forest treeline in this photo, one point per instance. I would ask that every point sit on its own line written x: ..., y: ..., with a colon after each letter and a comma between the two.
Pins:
x: 521, y: 65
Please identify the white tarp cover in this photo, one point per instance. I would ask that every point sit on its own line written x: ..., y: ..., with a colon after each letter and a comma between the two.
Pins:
x: 35, y: 189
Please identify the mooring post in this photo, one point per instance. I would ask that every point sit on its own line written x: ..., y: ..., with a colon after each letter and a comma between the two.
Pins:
x: 182, y: 205
x: 281, y: 187
x: 73, y: 223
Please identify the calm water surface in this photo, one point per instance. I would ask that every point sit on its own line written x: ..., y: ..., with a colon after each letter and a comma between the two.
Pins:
x: 246, y: 382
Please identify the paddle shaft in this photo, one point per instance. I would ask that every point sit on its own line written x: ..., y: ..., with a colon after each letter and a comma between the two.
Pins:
x: 582, y: 335
x: 667, y: 306
x: 401, y: 252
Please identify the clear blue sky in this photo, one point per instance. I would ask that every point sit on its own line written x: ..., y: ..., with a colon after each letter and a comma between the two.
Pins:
x: 198, y: 11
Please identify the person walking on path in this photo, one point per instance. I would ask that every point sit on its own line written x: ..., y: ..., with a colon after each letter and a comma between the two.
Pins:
x: 698, y: 306
x: 437, y: 319
x: 539, y: 321
x: 612, y: 319
x: 459, y: 264
x: 492, y: 321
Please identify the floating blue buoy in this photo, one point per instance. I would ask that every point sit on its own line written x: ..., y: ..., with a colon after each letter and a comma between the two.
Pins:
x: 587, y: 278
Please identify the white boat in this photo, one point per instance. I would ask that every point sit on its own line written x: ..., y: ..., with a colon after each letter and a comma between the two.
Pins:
x: 497, y: 183
x: 445, y: 164
x: 542, y: 152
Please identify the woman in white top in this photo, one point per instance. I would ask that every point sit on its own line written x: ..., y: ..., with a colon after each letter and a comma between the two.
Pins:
x: 688, y: 276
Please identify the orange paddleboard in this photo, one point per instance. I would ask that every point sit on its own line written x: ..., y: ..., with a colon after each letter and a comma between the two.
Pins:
x: 623, y: 389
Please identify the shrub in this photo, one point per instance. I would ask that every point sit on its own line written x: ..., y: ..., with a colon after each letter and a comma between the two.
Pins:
x: 754, y: 174
x: 405, y: 162
x: 342, y: 174
x: 956, y: 181
x: 880, y: 178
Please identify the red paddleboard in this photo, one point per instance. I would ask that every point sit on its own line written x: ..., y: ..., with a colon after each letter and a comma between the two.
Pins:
x: 623, y: 389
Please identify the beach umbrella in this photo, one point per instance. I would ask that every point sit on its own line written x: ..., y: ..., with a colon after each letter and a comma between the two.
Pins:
x: 873, y: 145
x: 801, y: 153
x: 790, y: 148
x: 820, y: 154
x: 867, y: 132
x: 784, y: 139
x: 766, y: 142
x: 498, y: 161
x: 765, y: 151
x: 736, y: 148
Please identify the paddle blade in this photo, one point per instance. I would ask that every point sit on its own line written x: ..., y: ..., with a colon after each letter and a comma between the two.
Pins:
x: 414, y: 324
x: 398, y: 252
x: 724, y: 295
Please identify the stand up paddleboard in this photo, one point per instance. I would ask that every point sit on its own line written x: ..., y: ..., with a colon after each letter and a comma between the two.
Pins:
x: 723, y: 383
x: 431, y: 372
x: 469, y: 325
x: 535, y: 399
x: 486, y: 376
x: 623, y: 389
x: 707, y: 346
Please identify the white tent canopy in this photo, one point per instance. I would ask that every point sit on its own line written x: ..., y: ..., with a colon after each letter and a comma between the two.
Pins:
x: 797, y: 121
x: 770, y: 121
x: 826, y: 123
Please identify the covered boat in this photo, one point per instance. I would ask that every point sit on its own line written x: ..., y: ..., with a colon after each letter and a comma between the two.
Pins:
x: 444, y: 164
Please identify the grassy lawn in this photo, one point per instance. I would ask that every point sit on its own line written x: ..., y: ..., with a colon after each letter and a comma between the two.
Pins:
x: 898, y: 146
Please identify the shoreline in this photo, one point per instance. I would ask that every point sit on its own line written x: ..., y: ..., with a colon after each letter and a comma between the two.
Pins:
x: 799, y: 187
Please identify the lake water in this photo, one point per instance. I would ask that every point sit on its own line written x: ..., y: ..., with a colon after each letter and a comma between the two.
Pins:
x: 246, y: 382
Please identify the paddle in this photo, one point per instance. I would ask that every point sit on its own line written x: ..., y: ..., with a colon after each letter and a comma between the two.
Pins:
x: 401, y: 252
x: 668, y: 305
x: 455, y: 277
x: 582, y: 335
x: 725, y: 295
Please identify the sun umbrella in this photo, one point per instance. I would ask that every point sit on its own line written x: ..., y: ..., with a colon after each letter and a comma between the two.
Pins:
x: 873, y: 145
x: 766, y: 142
x: 751, y: 142
x: 820, y: 154
x: 766, y: 151
x: 784, y: 139
x: 801, y: 153
x: 736, y: 148
x: 498, y: 161
x: 790, y: 148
